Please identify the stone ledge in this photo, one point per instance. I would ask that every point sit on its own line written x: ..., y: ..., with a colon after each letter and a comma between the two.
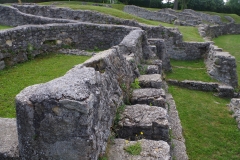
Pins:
x: 151, y: 150
x: 149, y: 96
x: 8, y: 139
x: 235, y: 108
x: 150, y: 81
x: 151, y: 120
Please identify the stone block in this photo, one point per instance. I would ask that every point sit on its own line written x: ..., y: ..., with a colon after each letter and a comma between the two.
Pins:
x: 153, y: 69
x: 2, y: 65
x: 150, y: 81
x: 151, y: 150
x: 8, y: 139
x: 149, y: 96
x: 225, y: 91
x: 150, y: 120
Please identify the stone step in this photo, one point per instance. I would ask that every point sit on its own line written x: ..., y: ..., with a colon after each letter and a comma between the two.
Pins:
x: 150, y: 69
x: 8, y: 139
x: 151, y: 150
x: 151, y: 121
x: 149, y: 96
x: 150, y: 81
x: 153, y: 48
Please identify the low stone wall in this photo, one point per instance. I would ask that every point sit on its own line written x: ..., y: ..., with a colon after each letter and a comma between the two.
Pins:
x: 222, y: 66
x: 21, y: 43
x: 151, y: 15
x: 218, y: 30
x: 13, y: 17
x: 235, y: 108
x: 73, y: 15
x: 75, y: 111
x: 195, y: 85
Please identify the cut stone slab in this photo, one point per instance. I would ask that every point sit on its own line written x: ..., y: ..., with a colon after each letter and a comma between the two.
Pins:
x: 153, y: 69
x: 149, y: 96
x: 150, y: 81
x: 179, y: 150
x: 151, y: 150
x: 150, y: 120
x: 235, y: 107
x: 8, y: 139
x: 225, y: 91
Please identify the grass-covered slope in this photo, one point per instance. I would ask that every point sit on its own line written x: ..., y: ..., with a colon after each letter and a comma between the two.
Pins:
x: 210, y: 131
x: 39, y: 70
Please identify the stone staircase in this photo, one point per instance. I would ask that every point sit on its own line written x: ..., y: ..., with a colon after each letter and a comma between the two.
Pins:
x: 146, y: 120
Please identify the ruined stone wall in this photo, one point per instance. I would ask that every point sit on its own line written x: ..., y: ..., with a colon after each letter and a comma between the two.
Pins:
x: 76, y: 110
x: 13, y: 17
x: 74, y: 15
x: 151, y: 15
x: 222, y: 66
x: 21, y: 43
x: 218, y: 30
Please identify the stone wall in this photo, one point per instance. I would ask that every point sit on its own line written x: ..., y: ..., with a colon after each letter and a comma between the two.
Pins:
x: 222, y: 66
x: 151, y: 15
x: 21, y: 43
x: 75, y: 111
x: 13, y: 17
x: 218, y: 30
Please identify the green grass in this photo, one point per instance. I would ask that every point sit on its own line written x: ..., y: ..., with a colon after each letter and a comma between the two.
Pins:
x: 189, y: 70
x: 134, y: 149
x: 190, y: 34
x: 230, y: 43
x: 234, y: 16
x: 4, y: 27
x: 39, y: 70
x: 210, y: 131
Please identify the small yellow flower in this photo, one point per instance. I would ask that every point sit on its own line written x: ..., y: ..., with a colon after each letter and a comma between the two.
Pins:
x: 141, y: 133
x: 136, y: 135
x: 126, y: 141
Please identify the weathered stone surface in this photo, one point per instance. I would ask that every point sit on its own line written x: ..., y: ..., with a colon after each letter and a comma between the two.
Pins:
x: 150, y: 81
x: 8, y: 139
x: 225, y: 91
x: 76, y: 52
x: 179, y: 150
x: 222, y: 66
x: 2, y: 65
x: 144, y: 13
x: 195, y: 85
x: 235, y: 108
x: 149, y: 96
x: 153, y: 69
x: 151, y: 150
x: 161, y: 52
x: 151, y: 120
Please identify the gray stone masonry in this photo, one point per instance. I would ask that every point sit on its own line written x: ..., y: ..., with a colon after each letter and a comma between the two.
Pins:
x: 151, y: 15
x: 150, y: 120
x: 76, y: 110
x: 21, y: 43
x: 150, y: 96
x: 235, y: 108
x: 151, y: 150
x: 8, y: 139
x: 150, y: 81
x: 195, y: 85
x: 161, y: 52
x: 222, y: 66
x: 225, y: 91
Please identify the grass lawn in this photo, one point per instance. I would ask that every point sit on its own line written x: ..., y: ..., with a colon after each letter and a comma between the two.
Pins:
x: 4, y: 27
x: 189, y: 70
x: 210, y: 131
x: 39, y: 70
x: 231, y: 44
